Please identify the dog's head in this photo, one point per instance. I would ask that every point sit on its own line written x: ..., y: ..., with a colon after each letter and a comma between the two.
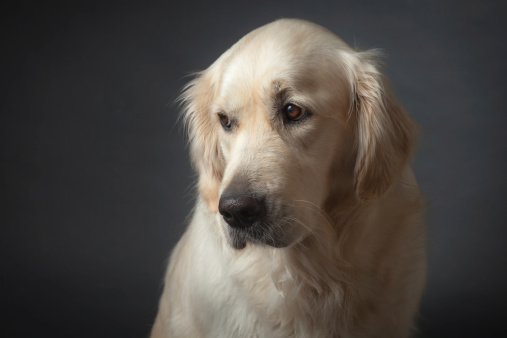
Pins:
x: 287, y: 120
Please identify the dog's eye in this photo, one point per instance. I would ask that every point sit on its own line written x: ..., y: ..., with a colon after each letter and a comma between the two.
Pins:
x: 225, y: 121
x: 294, y: 113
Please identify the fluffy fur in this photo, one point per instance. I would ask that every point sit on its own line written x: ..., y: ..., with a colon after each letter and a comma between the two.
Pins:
x: 340, y: 251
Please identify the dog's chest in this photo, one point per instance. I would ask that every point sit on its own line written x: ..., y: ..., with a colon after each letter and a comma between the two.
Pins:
x: 238, y: 293
x: 236, y: 298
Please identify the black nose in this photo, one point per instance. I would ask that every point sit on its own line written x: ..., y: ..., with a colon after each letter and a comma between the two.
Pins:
x: 240, y: 211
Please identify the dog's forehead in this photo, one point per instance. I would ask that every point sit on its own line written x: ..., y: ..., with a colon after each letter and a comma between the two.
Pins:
x: 258, y: 70
x: 256, y: 64
x: 288, y: 53
x: 251, y: 79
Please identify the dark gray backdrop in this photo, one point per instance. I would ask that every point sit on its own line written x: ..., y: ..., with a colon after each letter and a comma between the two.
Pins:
x: 95, y: 175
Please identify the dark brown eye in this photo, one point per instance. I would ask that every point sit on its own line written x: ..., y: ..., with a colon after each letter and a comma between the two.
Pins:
x: 294, y: 113
x: 225, y: 121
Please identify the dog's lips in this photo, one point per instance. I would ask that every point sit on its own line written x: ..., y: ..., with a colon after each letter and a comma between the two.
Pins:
x: 237, y: 239
x: 238, y: 243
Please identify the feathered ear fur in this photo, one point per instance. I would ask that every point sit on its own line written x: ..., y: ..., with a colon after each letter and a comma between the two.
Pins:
x: 204, y: 149
x: 385, y: 132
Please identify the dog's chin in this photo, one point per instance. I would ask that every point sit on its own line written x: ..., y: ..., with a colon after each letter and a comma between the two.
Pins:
x: 237, y: 242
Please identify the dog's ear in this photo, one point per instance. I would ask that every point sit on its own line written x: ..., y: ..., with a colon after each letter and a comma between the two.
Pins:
x: 205, y: 152
x: 385, y: 133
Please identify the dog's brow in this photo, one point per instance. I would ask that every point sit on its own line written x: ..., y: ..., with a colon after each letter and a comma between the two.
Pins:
x: 226, y: 106
x: 282, y: 95
x: 277, y: 87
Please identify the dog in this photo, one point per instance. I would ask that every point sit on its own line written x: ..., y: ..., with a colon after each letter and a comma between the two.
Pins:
x: 308, y: 220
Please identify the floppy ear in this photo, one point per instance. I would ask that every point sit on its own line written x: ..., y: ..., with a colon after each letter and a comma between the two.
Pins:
x: 205, y: 152
x: 385, y: 132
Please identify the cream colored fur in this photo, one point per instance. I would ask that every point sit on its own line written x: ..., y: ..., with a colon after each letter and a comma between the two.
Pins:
x: 354, y: 265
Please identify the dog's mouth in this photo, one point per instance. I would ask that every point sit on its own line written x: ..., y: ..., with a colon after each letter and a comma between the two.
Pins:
x: 263, y: 234
x: 236, y: 239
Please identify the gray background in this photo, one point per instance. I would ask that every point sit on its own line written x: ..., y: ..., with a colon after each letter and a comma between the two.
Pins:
x: 95, y: 175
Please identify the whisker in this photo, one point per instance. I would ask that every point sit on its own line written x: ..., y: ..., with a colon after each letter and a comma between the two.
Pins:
x: 300, y: 223
x: 316, y: 209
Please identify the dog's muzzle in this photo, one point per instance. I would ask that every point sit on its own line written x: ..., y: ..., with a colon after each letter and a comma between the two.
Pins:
x: 250, y: 218
x: 246, y: 217
x: 240, y: 211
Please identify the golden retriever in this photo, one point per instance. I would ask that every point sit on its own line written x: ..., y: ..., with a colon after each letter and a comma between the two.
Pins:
x: 308, y: 220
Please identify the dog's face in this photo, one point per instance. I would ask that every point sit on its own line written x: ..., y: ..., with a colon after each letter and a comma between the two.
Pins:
x: 287, y: 120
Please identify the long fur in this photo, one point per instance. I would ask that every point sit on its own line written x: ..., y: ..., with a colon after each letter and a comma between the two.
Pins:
x: 338, y: 187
